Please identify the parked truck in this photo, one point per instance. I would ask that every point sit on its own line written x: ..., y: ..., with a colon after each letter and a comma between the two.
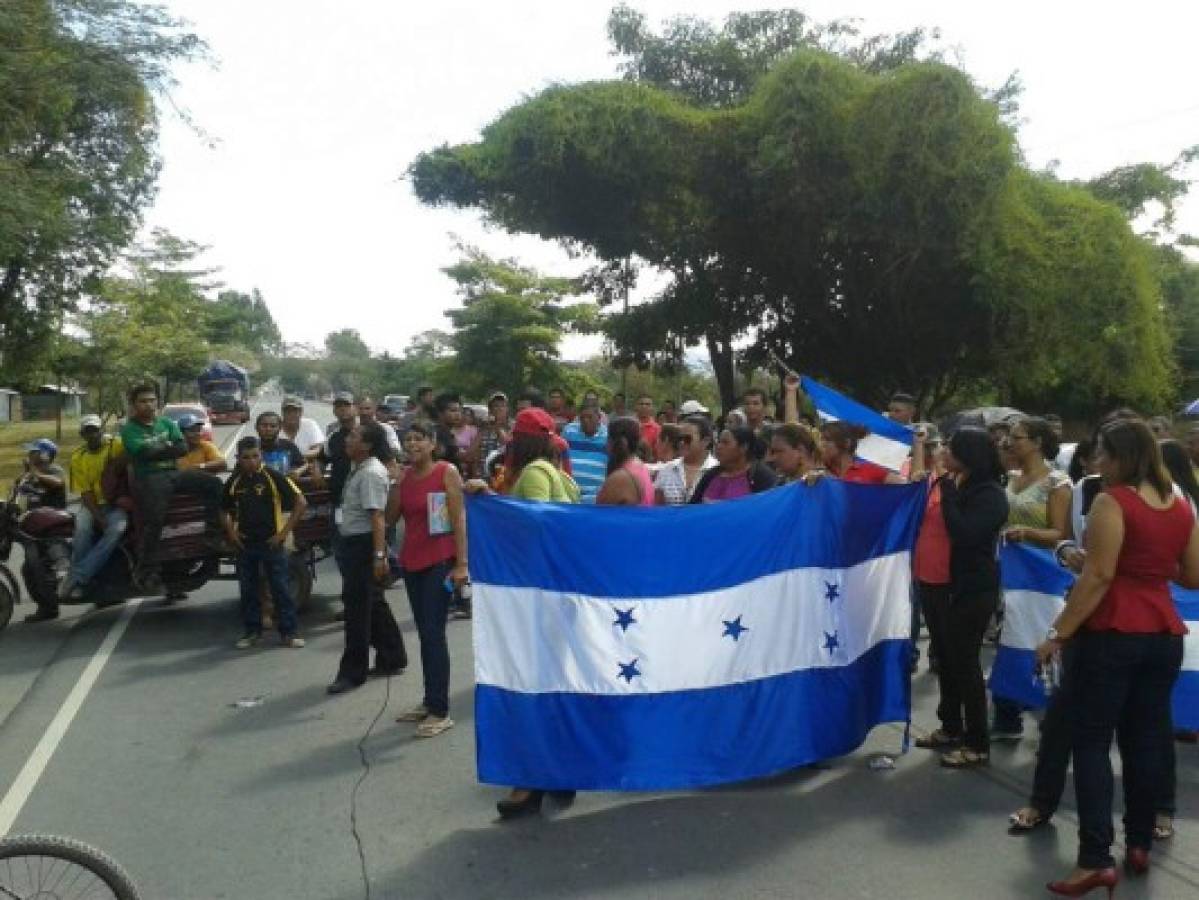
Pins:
x: 225, y: 390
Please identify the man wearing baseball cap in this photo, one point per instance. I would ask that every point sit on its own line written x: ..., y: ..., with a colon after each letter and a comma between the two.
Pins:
x: 99, y: 523
x: 298, y: 428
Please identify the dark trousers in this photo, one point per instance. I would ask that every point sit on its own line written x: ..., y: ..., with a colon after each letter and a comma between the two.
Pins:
x: 924, y: 594
x: 153, y: 491
x: 273, y: 561
x: 1057, y: 744
x: 368, y: 619
x: 430, y: 603
x: 956, y: 625
x: 1124, y: 682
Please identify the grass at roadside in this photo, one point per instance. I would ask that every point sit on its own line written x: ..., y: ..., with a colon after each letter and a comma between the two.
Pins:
x: 14, y: 435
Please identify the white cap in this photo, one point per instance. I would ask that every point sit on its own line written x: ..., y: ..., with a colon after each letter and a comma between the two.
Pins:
x: 90, y: 421
x: 693, y: 407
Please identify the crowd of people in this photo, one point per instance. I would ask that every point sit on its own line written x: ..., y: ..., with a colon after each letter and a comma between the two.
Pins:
x: 1120, y: 513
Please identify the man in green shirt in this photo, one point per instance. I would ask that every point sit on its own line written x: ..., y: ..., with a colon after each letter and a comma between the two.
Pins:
x: 153, y: 443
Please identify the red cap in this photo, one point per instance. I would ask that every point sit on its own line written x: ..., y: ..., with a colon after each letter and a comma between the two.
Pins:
x: 559, y: 443
x: 533, y: 421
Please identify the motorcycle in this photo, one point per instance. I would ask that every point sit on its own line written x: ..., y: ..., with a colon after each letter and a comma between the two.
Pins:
x: 45, y: 533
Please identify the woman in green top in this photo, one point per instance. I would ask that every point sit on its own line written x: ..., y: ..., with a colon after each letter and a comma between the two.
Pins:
x: 531, y: 475
x: 1038, y: 513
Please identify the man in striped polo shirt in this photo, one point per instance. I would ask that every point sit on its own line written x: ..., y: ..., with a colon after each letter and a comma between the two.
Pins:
x: 588, y: 443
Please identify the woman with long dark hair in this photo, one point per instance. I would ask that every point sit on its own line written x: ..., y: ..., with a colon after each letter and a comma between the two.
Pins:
x: 429, y: 497
x: 677, y: 480
x: 974, y: 508
x: 1126, y: 638
x: 628, y: 482
x: 739, y: 471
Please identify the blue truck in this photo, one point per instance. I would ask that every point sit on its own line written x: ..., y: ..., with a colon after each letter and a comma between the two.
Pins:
x: 225, y: 391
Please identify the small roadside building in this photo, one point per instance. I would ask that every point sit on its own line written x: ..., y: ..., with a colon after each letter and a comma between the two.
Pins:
x: 46, y: 401
x: 10, y: 405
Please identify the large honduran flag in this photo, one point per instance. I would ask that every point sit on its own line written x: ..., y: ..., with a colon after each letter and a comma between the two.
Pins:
x: 621, y: 648
x: 888, y: 444
x: 1034, y: 586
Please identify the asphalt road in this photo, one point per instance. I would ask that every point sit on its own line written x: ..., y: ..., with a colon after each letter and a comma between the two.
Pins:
x: 202, y: 798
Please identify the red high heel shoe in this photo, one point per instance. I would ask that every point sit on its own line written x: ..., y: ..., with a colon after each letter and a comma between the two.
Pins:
x: 1136, y: 861
x: 1107, y: 878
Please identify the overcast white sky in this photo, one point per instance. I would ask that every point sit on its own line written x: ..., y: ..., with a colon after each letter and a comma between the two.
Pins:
x: 317, y: 107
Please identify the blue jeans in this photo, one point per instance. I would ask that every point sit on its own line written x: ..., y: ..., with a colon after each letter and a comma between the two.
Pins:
x: 88, y: 555
x: 430, y: 602
x: 272, y: 560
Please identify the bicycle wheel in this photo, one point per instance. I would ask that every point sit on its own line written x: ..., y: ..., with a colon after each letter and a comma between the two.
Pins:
x: 48, y: 867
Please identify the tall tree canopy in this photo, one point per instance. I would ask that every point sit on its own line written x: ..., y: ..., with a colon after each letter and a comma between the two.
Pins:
x: 846, y: 202
x: 77, y: 146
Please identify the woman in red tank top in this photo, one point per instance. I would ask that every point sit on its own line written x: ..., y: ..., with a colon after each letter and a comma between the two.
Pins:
x: 429, y: 497
x: 1127, y: 647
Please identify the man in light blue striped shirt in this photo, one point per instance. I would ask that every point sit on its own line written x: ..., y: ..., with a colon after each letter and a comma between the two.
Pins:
x: 588, y: 442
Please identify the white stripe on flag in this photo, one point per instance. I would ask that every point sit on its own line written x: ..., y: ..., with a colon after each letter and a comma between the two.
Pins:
x: 537, y: 641
x: 1190, y: 648
x: 1027, y: 616
x: 875, y: 448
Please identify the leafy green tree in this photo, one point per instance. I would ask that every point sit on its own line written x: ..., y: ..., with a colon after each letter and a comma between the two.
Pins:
x: 78, y: 80
x: 512, y: 319
x: 863, y: 214
x: 243, y: 320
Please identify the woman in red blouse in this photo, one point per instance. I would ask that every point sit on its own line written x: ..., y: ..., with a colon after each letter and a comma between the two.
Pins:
x: 1128, y: 645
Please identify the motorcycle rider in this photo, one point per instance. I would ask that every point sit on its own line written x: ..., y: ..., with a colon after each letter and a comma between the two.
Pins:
x: 99, y: 525
x: 153, y: 444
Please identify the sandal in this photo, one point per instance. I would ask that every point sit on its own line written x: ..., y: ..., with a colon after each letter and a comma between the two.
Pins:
x: 1163, y: 828
x: 431, y: 726
x: 938, y: 740
x: 965, y: 759
x: 1026, y: 819
x: 416, y: 714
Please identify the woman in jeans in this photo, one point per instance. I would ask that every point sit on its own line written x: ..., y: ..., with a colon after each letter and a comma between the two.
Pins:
x: 1125, y: 637
x: 973, y: 507
x: 429, y: 497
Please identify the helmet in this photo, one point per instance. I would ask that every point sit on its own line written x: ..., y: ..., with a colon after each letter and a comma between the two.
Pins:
x: 189, y: 420
x: 45, y: 446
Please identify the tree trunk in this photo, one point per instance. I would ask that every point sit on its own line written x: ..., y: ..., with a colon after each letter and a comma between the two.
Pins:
x: 720, y: 351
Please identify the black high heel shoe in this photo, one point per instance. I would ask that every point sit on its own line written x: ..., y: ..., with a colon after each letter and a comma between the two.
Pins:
x: 513, y: 809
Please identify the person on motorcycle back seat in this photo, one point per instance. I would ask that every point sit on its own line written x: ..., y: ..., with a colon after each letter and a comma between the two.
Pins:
x: 44, y: 482
x: 201, y: 454
x: 99, y: 525
x: 154, y: 444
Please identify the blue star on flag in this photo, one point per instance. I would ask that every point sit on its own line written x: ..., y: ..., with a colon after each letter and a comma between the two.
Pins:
x: 629, y: 671
x: 624, y: 618
x: 734, y: 628
x: 831, y: 592
x: 830, y: 642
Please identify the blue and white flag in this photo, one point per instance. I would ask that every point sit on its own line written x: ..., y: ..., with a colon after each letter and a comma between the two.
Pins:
x: 889, y: 443
x: 623, y: 648
x: 1034, y: 586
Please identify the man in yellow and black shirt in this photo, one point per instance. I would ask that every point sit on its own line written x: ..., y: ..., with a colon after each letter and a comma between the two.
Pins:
x: 252, y: 509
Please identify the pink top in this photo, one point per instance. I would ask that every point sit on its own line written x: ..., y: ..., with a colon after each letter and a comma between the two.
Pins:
x: 423, y: 550
x: 645, y: 483
x: 931, y: 564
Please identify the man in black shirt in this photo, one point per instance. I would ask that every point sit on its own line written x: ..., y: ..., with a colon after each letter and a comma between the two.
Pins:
x: 252, y: 507
x: 333, y: 454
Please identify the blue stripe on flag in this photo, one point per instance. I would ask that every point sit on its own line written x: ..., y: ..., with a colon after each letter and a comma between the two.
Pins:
x: 837, y: 406
x: 1186, y: 701
x: 688, y: 739
x: 623, y: 552
x: 1013, y: 675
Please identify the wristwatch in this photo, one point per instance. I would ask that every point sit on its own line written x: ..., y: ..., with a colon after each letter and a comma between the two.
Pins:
x: 1052, y: 635
x: 379, y: 554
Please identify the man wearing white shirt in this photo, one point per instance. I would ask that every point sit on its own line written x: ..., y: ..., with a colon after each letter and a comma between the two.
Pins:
x: 297, y: 428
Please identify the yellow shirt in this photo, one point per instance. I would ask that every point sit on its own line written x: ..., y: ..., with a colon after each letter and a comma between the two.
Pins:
x: 87, y: 466
x: 205, y: 453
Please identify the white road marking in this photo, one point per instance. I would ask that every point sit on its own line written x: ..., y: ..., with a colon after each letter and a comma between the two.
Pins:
x: 14, y: 801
